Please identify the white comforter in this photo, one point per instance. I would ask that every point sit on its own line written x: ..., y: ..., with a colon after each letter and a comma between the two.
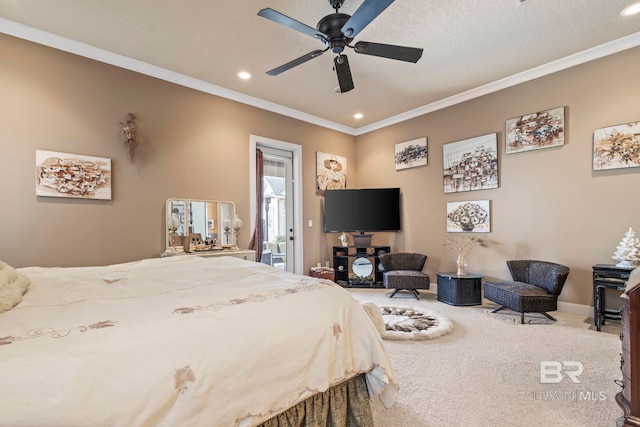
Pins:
x: 182, y: 341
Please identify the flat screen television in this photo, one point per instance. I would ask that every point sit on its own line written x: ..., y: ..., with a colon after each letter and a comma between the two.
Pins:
x: 362, y: 210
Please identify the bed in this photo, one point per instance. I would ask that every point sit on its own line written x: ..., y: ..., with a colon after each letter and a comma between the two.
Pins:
x: 183, y: 341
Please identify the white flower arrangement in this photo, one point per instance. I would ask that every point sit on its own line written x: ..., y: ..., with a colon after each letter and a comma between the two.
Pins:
x: 468, y: 215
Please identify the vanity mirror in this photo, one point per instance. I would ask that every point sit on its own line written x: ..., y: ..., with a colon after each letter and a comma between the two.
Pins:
x: 200, y: 221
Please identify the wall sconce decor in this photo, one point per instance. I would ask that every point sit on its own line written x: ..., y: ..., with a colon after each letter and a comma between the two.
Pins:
x: 130, y: 135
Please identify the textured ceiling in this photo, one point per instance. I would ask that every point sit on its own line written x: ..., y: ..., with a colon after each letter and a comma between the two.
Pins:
x: 470, y: 47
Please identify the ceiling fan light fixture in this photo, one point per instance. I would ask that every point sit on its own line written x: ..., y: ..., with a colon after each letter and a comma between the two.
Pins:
x: 336, y: 32
x: 244, y: 75
x: 632, y: 9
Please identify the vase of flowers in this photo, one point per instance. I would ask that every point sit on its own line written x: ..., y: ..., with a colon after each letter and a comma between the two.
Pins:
x: 462, y: 246
x: 462, y: 264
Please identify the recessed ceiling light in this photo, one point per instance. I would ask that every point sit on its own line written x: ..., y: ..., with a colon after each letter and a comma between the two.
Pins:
x: 244, y: 75
x: 358, y: 116
x: 632, y: 9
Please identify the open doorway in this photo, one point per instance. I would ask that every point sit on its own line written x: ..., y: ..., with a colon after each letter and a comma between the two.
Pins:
x: 281, y: 202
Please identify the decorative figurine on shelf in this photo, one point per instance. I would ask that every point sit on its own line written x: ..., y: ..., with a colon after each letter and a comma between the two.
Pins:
x: 628, y: 251
x: 343, y: 240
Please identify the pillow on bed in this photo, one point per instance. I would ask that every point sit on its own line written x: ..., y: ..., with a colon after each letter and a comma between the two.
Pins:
x: 12, y: 286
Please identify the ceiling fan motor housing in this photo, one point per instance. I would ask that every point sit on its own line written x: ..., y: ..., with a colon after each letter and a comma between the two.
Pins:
x: 336, y: 4
x: 331, y: 25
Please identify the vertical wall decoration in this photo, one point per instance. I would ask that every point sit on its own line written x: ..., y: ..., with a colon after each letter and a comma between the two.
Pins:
x: 130, y: 135
x: 533, y: 131
x: 617, y: 147
x: 412, y: 153
x: 471, y: 164
x: 331, y: 172
x: 472, y: 216
x: 72, y: 175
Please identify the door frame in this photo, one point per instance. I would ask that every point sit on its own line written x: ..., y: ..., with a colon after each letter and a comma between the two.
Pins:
x: 298, y: 230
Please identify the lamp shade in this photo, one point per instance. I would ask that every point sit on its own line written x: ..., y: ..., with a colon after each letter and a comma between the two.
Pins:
x: 237, y: 223
x: 174, y: 221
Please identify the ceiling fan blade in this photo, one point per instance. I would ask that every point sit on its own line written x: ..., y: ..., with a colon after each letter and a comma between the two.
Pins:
x: 401, y: 53
x: 281, y: 19
x: 296, y: 62
x: 344, y: 73
x: 367, y: 12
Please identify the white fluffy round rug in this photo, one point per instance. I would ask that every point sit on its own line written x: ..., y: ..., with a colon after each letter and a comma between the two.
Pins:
x: 406, y: 323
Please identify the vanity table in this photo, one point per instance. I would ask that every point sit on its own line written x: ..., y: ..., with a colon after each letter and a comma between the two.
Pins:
x: 245, y: 254
x: 193, y: 223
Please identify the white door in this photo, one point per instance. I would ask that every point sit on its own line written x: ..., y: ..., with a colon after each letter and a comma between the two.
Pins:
x: 281, y: 205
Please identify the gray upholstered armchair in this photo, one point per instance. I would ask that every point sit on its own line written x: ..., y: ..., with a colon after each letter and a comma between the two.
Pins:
x: 403, y: 271
x: 535, y: 287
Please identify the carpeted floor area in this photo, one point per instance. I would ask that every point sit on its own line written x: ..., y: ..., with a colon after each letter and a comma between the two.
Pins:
x: 486, y: 372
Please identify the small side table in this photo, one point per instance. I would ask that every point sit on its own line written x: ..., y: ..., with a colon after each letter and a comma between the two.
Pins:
x: 607, y: 276
x: 460, y: 290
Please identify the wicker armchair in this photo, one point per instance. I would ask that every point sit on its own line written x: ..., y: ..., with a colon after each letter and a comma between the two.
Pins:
x: 535, y: 287
x: 403, y: 271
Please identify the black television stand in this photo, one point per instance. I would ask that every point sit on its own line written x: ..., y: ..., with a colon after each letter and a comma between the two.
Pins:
x: 363, y: 259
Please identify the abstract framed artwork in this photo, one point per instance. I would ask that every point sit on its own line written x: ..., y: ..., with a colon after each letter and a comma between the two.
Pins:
x: 72, y: 175
x: 410, y: 154
x: 467, y: 217
x: 331, y: 172
x: 471, y: 164
x: 534, y: 131
x: 617, y: 147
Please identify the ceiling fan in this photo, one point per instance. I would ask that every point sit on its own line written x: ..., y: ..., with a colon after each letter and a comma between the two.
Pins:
x: 336, y: 31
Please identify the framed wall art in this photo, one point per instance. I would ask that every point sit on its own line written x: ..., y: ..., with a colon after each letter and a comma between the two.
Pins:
x: 533, y: 131
x: 72, y: 175
x: 617, y: 147
x: 410, y: 154
x: 471, y: 164
x: 474, y: 216
x: 331, y: 172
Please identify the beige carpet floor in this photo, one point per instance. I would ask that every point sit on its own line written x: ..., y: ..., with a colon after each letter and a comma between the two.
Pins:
x: 486, y: 372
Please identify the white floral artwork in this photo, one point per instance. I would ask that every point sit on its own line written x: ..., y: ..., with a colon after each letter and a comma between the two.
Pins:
x: 617, y: 147
x: 410, y: 154
x: 466, y: 217
x: 543, y: 129
x: 72, y: 175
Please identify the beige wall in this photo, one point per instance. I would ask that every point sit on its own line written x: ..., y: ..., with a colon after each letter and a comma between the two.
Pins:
x: 193, y: 145
x: 550, y: 204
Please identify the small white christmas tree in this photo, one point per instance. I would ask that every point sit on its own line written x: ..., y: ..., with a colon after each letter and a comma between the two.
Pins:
x: 628, y: 251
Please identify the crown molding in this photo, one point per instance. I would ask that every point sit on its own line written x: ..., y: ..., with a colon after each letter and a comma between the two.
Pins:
x: 606, y: 49
x: 71, y: 46
x: 82, y: 49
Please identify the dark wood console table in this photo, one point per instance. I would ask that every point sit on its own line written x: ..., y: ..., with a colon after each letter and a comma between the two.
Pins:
x: 454, y: 289
x: 607, y: 276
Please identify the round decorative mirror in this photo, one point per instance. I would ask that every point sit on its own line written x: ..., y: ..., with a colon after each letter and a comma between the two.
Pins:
x: 362, y: 267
